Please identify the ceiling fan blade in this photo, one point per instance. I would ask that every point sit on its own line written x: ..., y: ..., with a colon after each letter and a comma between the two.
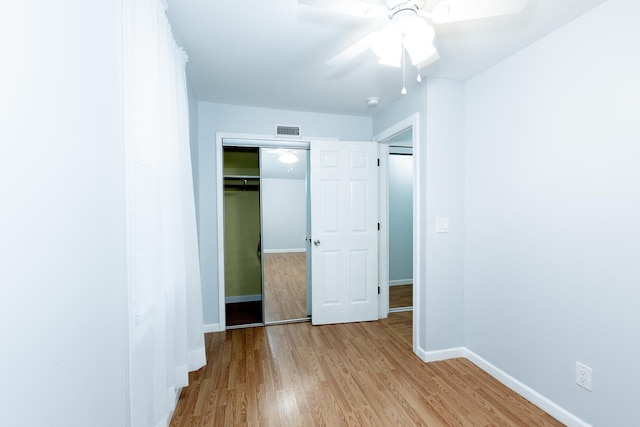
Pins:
x: 349, y: 7
x: 465, y: 10
x: 350, y: 53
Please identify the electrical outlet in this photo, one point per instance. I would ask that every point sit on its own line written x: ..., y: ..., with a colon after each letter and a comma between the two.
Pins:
x: 583, y: 376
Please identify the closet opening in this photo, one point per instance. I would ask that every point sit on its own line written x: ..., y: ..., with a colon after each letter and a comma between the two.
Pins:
x: 400, y: 216
x: 242, y: 237
x: 266, y: 229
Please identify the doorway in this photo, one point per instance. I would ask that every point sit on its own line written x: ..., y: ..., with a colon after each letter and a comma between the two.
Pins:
x: 242, y: 237
x: 405, y: 135
x: 400, y: 224
x: 265, y: 223
x: 344, y: 205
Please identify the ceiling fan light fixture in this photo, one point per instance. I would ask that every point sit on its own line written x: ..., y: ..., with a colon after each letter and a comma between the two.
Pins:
x: 418, y: 40
x: 387, y: 45
x: 417, y: 26
x: 390, y: 61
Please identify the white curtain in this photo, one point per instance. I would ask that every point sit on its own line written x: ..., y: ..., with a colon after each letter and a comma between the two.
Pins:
x: 166, y: 338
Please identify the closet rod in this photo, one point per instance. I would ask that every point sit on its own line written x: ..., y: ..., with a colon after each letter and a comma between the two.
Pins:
x: 242, y: 177
x: 246, y: 185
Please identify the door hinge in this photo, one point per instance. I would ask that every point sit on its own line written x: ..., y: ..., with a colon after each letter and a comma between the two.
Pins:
x: 378, y: 162
x: 378, y: 290
x: 378, y: 226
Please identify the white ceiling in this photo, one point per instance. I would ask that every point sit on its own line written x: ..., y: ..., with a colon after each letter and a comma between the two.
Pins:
x: 271, y: 53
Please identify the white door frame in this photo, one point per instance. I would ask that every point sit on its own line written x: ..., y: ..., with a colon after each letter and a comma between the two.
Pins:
x: 240, y: 140
x: 382, y: 138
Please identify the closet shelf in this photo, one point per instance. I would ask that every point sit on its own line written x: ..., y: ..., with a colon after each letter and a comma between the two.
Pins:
x: 241, y: 182
x: 241, y: 177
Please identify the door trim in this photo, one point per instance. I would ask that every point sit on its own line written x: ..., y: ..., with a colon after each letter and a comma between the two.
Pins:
x: 411, y: 122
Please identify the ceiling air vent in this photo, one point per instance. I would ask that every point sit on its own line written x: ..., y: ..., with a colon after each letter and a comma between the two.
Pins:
x: 288, y: 130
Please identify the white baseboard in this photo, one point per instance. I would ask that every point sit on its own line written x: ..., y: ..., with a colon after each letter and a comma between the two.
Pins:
x: 542, y: 402
x: 400, y: 309
x: 243, y: 298
x: 400, y: 282
x: 283, y: 251
x: 212, y: 327
x: 438, y: 355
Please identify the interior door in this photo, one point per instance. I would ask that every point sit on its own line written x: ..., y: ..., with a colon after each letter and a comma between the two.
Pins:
x: 344, y: 226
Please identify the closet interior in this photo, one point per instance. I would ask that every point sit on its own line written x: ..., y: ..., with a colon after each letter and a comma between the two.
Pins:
x: 242, y: 237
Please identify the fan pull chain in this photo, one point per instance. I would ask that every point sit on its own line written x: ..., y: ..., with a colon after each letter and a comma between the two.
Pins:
x: 404, y: 88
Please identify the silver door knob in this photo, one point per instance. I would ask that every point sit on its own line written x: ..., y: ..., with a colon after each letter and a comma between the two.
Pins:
x: 316, y: 242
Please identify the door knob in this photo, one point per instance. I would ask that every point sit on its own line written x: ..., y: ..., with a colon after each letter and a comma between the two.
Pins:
x: 316, y: 242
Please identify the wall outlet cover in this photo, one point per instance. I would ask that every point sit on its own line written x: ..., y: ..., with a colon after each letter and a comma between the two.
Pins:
x: 583, y: 376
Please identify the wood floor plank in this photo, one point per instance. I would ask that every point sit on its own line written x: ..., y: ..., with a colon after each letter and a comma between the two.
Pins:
x: 285, y: 286
x: 401, y: 324
x: 359, y: 374
x: 400, y: 296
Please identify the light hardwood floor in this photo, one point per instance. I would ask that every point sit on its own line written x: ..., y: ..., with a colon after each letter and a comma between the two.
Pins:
x: 400, y: 296
x: 401, y: 324
x: 285, y: 286
x: 358, y: 374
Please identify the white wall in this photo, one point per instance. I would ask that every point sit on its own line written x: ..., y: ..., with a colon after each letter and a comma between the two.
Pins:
x: 193, y: 138
x: 214, y: 118
x: 284, y: 214
x: 400, y: 218
x: 445, y: 198
x: 552, y: 214
x: 63, y: 290
x: 440, y: 104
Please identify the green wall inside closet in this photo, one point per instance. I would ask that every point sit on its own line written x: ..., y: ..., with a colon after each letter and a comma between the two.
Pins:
x: 243, y: 270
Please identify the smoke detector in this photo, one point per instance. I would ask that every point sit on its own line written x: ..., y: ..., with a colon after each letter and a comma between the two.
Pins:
x: 373, y: 101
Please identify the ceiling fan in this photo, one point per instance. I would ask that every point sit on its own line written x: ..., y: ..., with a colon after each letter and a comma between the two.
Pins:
x: 409, y: 26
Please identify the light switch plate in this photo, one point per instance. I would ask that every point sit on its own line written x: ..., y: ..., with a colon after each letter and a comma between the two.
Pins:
x: 442, y: 224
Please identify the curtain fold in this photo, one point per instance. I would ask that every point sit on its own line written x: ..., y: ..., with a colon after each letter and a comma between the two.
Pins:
x: 166, y: 338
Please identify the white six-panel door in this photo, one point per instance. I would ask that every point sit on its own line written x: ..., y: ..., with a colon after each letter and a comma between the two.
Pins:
x: 344, y: 231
